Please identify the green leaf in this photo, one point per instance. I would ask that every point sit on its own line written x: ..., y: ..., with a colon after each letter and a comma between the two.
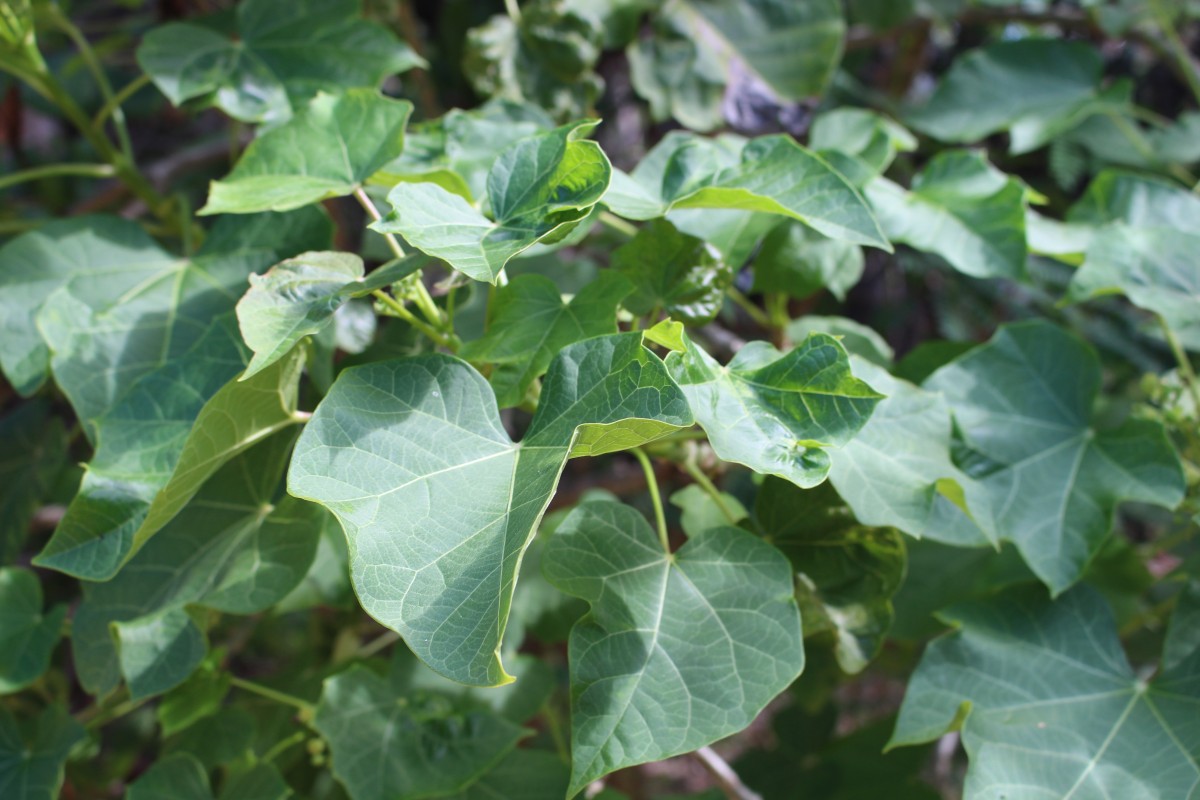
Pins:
x: 530, y: 324
x: 1144, y: 246
x: 396, y: 442
x: 34, y: 447
x: 537, y: 190
x: 961, y: 208
x: 792, y: 48
x: 328, y: 149
x: 858, y: 339
x: 848, y: 571
x: 898, y: 471
x: 388, y: 746
x: 870, y: 139
x: 522, y: 775
x: 770, y: 174
x: 673, y: 272
x: 32, y: 754
x: 799, y: 262
x: 175, y: 777
x: 1003, y: 87
x: 1023, y: 405
x: 221, y: 738
x: 545, y: 58
x: 698, y: 511
x: 237, y: 547
x: 776, y: 413
x: 27, y: 636
x: 198, y: 697
x: 678, y: 650
x: 1051, y: 704
x: 138, y: 370
x: 734, y: 233
x: 457, y: 149
x: 282, y: 54
x: 260, y: 782
x: 676, y: 73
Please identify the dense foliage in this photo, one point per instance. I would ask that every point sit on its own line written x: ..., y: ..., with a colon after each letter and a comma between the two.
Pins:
x: 441, y: 440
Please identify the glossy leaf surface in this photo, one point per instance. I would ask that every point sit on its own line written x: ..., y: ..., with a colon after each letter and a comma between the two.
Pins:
x: 678, y: 274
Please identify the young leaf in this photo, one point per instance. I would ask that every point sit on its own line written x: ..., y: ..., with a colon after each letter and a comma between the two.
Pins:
x: 27, y: 635
x: 537, y: 191
x: 33, y: 753
x: 138, y: 371
x: 531, y: 324
x: 870, y: 139
x: 770, y: 174
x: 674, y: 71
x: 1052, y: 704
x: 1023, y: 405
x: 776, y: 413
x: 439, y: 504
x: 418, y: 745
x: 698, y: 511
x: 237, y: 547
x: 849, y: 571
x: 1144, y: 246
x: 678, y: 650
x: 963, y: 209
x: 328, y: 149
x: 673, y: 272
x: 283, y: 53
x: 897, y: 471
x: 1002, y: 86
x: 798, y: 261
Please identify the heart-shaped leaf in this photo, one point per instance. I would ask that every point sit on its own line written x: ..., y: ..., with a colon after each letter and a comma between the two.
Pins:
x: 439, y: 504
x: 679, y: 649
x: 676, y: 273
x: 27, y: 634
x: 33, y: 753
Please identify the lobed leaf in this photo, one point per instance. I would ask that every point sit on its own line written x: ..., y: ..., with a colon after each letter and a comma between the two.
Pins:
x: 27, y: 634
x: 34, y: 752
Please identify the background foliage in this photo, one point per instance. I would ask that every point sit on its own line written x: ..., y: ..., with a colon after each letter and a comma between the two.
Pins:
x: 614, y: 398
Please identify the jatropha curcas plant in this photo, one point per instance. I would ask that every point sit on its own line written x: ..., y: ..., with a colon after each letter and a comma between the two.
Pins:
x: 428, y: 454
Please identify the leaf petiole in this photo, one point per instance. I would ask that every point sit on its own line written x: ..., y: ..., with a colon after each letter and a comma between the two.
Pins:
x: 705, y: 483
x: 273, y: 694
x: 660, y: 518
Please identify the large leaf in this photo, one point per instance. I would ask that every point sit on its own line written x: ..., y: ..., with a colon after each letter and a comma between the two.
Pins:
x: 34, y: 448
x: 1035, y: 88
x: 897, y: 471
x: 537, y: 190
x: 963, y: 209
x: 848, y: 571
x: 391, y: 747
x: 282, y: 54
x: 237, y: 547
x: 770, y: 174
x: 328, y: 149
x: 1023, y: 405
x: 27, y: 635
x: 140, y: 368
x: 1052, y: 707
x: 678, y: 650
x: 1144, y: 246
x: 439, y: 504
x: 33, y: 752
x: 776, y: 413
x: 674, y: 273
x: 530, y: 324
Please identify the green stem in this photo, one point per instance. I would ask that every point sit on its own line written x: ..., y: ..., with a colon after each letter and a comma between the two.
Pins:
x: 705, y: 483
x: 403, y: 313
x: 619, y: 225
x: 383, y: 640
x: 113, y: 103
x: 754, y: 311
x: 652, y: 484
x: 52, y: 170
x: 103, y: 713
x: 555, y: 728
x: 282, y: 745
x: 513, y: 10
x: 424, y: 299
x: 272, y: 694
x: 1176, y: 47
x: 1185, y: 364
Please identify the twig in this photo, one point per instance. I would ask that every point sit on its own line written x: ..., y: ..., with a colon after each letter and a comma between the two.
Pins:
x: 724, y: 775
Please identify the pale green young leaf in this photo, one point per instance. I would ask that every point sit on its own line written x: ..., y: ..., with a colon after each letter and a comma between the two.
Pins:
x: 858, y: 339
x: 1051, y: 703
x: 1030, y: 87
x: 439, y: 504
x: 530, y: 324
x: 673, y: 272
x: 776, y: 413
x: 33, y: 753
x: 798, y: 261
x: 28, y: 635
x: 538, y: 189
x: 34, y: 447
x: 699, y: 511
x: 329, y: 149
x: 771, y: 174
x: 678, y: 650
x: 676, y: 73
x: 1023, y: 407
x: 178, y: 776
x: 871, y: 139
x: 418, y: 745
x: 1143, y: 244
x: 284, y: 52
x: 237, y: 547
x: 139, y: 369
x: 848, y: 571
x: 734, y: 233
x: 961, y: 208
